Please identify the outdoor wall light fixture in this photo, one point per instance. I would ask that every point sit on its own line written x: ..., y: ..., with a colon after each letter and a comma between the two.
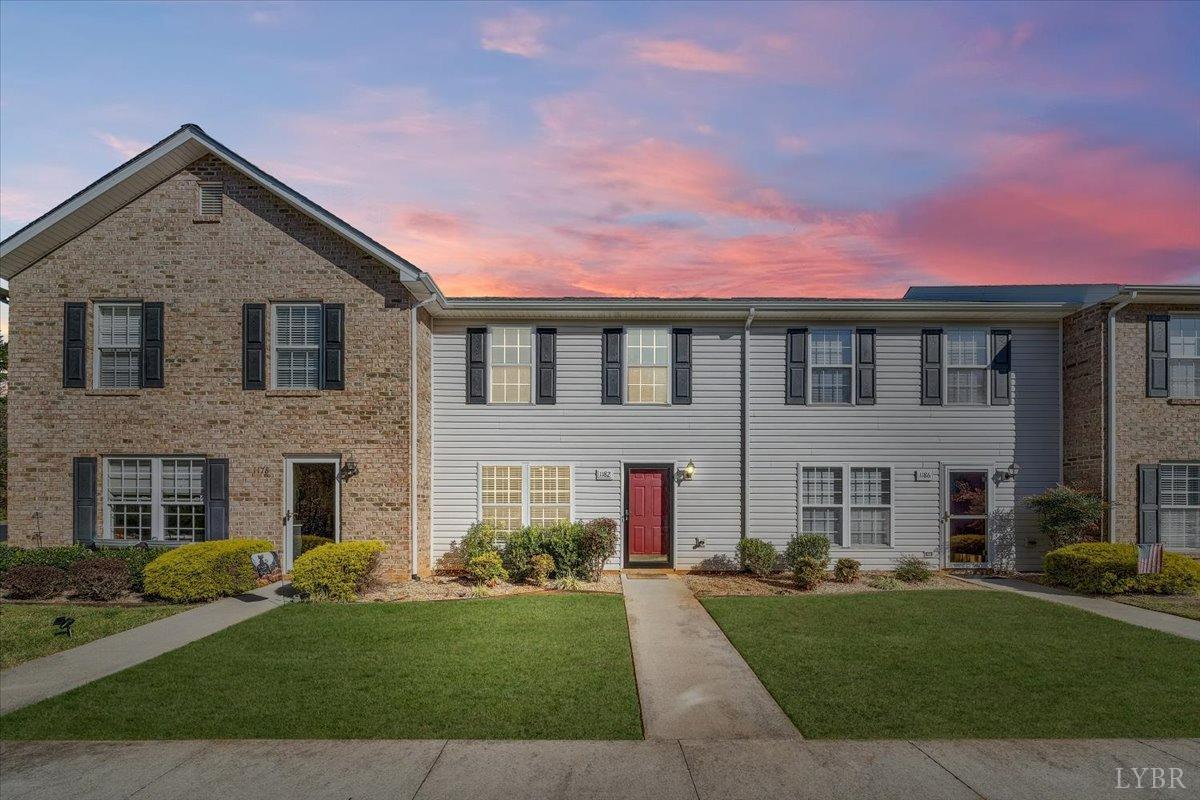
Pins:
x: 688, y: 471
x: 348, y: 470
x: 1011, y: 472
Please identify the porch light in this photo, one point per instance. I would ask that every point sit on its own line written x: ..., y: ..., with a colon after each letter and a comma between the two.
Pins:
x: 348, y: 470
x: 689, y: 470
x: 1011, y: 473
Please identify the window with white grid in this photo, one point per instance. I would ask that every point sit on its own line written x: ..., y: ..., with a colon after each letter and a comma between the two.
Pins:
x: 648, y: 365
x: 966, y: 367
x: 154, y: 499
x: 549, y: 495
x: 118, y: 345
x: 1179, y: 505
x: 870, y: 506
x: 183, y: 499
x: 503, y: 495
x: 511, y: 365
x: 128, y: 499
x: 1184, y: 336
x: 296, y: 345
x: 831, y: 364
x: 821, y: 499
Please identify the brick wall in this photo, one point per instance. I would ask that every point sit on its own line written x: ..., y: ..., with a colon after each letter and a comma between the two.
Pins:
x: 261, y: 250
x: 1084, y: 345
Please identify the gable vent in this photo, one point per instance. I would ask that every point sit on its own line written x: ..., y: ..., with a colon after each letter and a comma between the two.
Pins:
x: 210, y: 199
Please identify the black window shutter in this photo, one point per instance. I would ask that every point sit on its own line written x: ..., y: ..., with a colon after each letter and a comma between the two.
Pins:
x: 611, y: 390
x: 216, y: 498
x: 931, y: 367
x: 477, y: 365
x: 681, y: 366
x: 74, y: 345
x: 1147, y: 503
x: 865, y: 383
x: 1157, y: 356
x: 547, y: 366
x: 83, y: 490
x: 796, y: 388
x: 333, y: 346
x: 1001, y: 370
x: 254, y: 356
x: 152, y: 345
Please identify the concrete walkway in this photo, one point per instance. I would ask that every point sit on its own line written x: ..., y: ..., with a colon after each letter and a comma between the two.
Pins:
x: 739, y: 769
x: 1143, y: 617
x: 691, y: 682
x: 54, y: 674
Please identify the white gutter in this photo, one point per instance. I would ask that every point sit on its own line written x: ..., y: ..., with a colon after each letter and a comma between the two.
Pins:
x: 414, y: 312
x: 746, y: 424
x: 1110, y: 400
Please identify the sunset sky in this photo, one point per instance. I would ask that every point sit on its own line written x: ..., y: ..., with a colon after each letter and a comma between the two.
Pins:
x: 655, y: 149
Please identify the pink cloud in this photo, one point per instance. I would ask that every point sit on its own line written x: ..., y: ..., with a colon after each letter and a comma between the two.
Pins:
x: 682, y: 54
x: 126, y: 148
x: 518, y: 33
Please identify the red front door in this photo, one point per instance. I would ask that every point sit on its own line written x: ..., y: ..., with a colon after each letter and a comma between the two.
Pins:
x: 648, y: 514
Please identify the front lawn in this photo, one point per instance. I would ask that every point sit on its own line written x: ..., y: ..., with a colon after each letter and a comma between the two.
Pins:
x: 1181, y: 605
x: 962, y: 664
x: 531, y: 667
x: 27, y: 631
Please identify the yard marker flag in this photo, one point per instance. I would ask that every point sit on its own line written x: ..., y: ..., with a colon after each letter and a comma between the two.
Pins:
x: 1149, y: 558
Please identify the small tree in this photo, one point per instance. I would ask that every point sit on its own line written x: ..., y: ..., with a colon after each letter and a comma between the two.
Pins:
x: 1068, y: 515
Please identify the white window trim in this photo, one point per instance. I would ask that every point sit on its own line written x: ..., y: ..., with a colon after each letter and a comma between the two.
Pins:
x: 852, y: 366
x: 157, y: 508
x: 625, y: 365
x: 986, y: 368
x: 525, y: 484
x: 1171, y: 358
x: 844, y: 534
x: 1173, y: 507
x: 491, y: 383
x: 274, y: 362
x: 96, y: 306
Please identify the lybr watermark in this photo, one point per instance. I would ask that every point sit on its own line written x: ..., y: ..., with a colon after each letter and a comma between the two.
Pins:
x: 1150, y: 778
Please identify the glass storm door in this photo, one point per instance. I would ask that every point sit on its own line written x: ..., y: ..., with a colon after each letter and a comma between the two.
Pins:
x: 311, y: 505
x: 967, y: 517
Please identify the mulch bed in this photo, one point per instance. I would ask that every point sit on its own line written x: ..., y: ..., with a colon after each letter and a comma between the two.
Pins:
x: 743, y: 585
x: 452, y: 587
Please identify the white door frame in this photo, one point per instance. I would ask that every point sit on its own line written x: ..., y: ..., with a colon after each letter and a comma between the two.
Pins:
x: 288, y: 463
x: 989, y: 471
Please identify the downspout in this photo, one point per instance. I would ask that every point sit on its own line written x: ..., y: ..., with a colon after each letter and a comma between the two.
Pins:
x: 1111, y: 411
x: 746, y: 424
x: 414, y: 312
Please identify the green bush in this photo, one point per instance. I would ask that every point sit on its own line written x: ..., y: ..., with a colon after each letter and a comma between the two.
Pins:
x: 339, y: 571
x: 757, y: 556
x: 520, y: 550
x: 885, y: 583
x: 99, y: 578
x: 540, y: 568
x: 312, y: 542
x: 846, y: 570
x: 808, y: 572
x: 487, y: 569
x: 60, y: 557
x: 807, y: 545
x: 1107, y: 568
x: 204, y: 571
x: 577, y: 548
x: 597, y: 543
x: 1067, y: 515
x: 33, y: 582
x: 912, y: 569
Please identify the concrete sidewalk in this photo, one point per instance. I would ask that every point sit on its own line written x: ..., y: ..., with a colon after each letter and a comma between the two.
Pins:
x: 1142, y: 617
x: 691, y: 682
x: 54, y: 674
x: 738, y: 769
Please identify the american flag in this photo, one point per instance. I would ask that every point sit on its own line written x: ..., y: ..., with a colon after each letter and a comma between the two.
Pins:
x: 1149, y: 558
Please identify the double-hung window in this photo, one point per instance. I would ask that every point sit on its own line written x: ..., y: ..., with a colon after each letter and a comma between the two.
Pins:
x: 1179, y: 505
x: 648, y: 359
x: 296, y: 346
x: 832, y: 365
x: 830, y: 495
x: 511, y: 365
x: 515, y: 495
x: 821, y: 501
x: 966, y: 367
x: 118, y: 357
x: 870, y: 506
x: 1183, y: 334
x: 154, y: 499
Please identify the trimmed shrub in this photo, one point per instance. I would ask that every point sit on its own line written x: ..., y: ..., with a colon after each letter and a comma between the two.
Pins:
x: 885, y: 583
x: 135, y: 559
x: 487, y: 569
x: 60, y: 557
x: 99, y: 578
x: 540, y: 567
x: 807, y: 545
x: 846, y: 570
x: 204, y: 571
x: 808, y: 572
x: 337, y: 571
x: 312, y: 542
x: 912, y: 569
x: 757, y: 556
x: 1107, y: 568
x: 1067, y: 515
x: 34, y: 582
x: 7, y: 555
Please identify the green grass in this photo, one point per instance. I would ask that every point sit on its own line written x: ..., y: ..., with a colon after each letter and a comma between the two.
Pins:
x: 27, y: 632
x: 1179, y: 605
x: 962, y: 664
x: 533, y: 667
